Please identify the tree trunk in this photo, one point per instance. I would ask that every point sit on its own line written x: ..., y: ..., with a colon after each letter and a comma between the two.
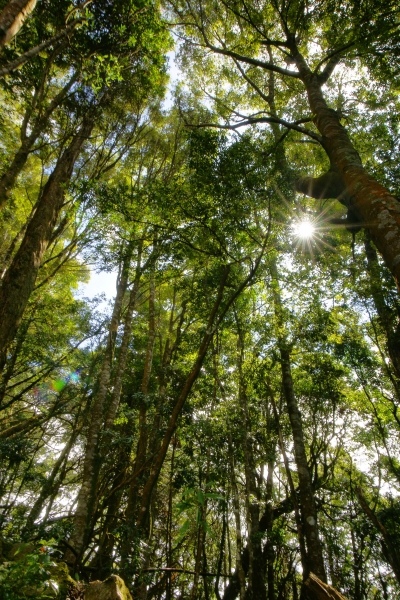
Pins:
x: 256, y: 586
x: 141, y: 450
x: 376, y: 209
x: 20, y: 278
x: 308, y: 509
x: 241, y: 587
x: 12, y: 18
x: 318, y: 590
x: 90, y: 468
x: 123, y: 351
x: 390, y: 323
x: 47, y: 488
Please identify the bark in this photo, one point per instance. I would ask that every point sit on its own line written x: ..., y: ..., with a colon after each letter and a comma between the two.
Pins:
x: 90, y: 465
x: 169, y: 522
x: 199, y: 550
x: 138, y: 479
x: 123, y: 351
x: 103, y: 561
x: 240, y: 584
x: 376, y: 209
x: 221, y: 556
x: 20, y: 278
x: 256, y: 586
x: 269, y: 548
x: 389, y: 323
x: 9, y: 177
x: 308, y: 509
x: 315, y: 561
x: 293, y: 494
x: 318, y: 590
x: 12, y: 18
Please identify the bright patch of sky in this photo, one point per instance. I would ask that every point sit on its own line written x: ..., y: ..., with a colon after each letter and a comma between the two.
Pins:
x: 99, y: 283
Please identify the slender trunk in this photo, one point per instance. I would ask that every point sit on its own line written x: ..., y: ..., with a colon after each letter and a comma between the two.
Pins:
x: 48, y: 485
x: 160, y: 457
x: 169, y: 522
x: 389, y: 322
x: 293, y: 494
x: 199, y: 551
x: 103, y: 561
x: 256, y: 586
x: 12, y: 18
x: 221, y: 555
x: 90, y: 466
x: 307, y: 502
x: 141, y: 450
x: 123, y: 351
x: 315, y: 561
x: 20, y: 278
x: 347, y: 180
x: 269, y: 549
x: 236, y: 511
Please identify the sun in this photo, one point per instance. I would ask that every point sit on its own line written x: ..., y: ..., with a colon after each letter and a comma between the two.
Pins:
x: 304, y: 229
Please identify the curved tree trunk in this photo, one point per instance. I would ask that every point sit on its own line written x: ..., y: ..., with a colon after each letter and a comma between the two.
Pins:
x: 20, y: 278
x: 376, y: 209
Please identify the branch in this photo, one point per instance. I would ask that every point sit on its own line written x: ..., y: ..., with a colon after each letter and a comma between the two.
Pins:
x: 253, y: 61
x: 252, y: 121
x: 251, y: 82
x: 333, y: 58
x: 14, y: 64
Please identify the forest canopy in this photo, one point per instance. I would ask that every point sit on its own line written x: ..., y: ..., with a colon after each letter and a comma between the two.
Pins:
x: 227, y: 425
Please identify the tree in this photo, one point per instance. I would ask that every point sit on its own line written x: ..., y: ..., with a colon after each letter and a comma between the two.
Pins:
x: 267, y: 37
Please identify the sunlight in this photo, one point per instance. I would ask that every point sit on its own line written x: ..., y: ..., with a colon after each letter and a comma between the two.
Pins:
x: 304, y: 229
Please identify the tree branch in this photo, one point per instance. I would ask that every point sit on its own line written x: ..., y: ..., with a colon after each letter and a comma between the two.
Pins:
x: 14, y: 64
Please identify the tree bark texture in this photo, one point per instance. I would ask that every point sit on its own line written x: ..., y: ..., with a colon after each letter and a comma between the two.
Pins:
x: 307, y: 502
x: 256, y: 586
x: 318, y: 590
x: 123, y: 351
x: 138, y: 478
x: 19, y: 281
x: 376, y: 209
x: 12, y: 18
x: 388, y: 321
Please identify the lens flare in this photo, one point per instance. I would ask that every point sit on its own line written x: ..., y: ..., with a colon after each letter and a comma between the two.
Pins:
x: 42, y: 393
x: 304, y: 229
